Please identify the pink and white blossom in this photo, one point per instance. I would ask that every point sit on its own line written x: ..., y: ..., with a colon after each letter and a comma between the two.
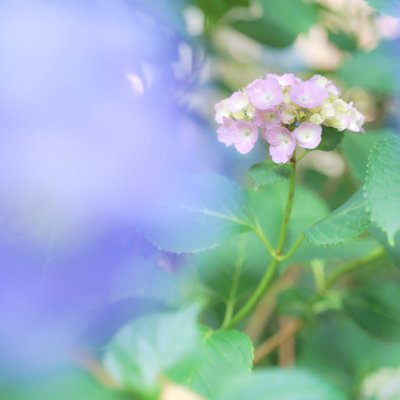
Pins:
x: 308, y: 135
x: 268, y: 118
x: 265, y: 93
x: 287, y: 111
x: 243, y: 135
x: 281, y: 144
x: 308, y: 94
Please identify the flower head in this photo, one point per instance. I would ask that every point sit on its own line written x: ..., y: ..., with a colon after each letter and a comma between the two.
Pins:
x: 287, y: 111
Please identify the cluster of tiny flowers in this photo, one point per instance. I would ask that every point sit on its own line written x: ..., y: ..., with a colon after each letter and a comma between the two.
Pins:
x: 285, y: 111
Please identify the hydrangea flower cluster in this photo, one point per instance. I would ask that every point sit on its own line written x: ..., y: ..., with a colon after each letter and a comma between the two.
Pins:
x: 285, y: 111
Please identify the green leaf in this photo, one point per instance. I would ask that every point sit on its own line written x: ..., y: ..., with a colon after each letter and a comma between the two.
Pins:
x: 151, y: 347
x: 346, y: 223
x: 67, y: 385
x: 388, y: 7
x: 295, y: 17
x: 214, y: 10
x: 382, y: 185
x: 338, y: 252
x: 375, y: 70
x: 343, y: 40
x: 356, y: 148
x: 280, y: 384
x: 376, y: 309
x: 281, y: 22
x: 265, y: 32
x: 232, y: 269
x: 211, y: 209
x: 267, y: 173
x: 331, y: 139
x: 225, y: 355
x: 268, y: 203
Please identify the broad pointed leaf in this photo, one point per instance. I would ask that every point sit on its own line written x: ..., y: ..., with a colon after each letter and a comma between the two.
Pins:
x: 225, y: 355
x: 268, y: 172
x: 382, y: 186
x: 346, y: 223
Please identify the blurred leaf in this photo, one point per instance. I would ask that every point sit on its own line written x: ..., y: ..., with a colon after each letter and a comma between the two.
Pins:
x: 295, y: 17
x: 210, y: 210
x: 388, y: 7
x: 281, y: 22
x: 356, y: 148
x: 151, y: 347
x: 280, y: 384
x: 68, y: 385
x: 233, y: 269
x: 376, y: 310
x: 225, y: 354
x: 292, y: 301
x: 214, y: 10
x: 351, y: 352
x: 343, y: 40
x: 268, y: 172
x: 266, y: 32
x: 331, y: 139
x: 346, y: 223
x: 382, y: 185
x: 375, y: 70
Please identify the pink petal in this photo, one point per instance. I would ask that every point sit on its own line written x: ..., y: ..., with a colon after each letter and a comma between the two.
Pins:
x: 276, y: 135
x: 265, y: 93
x: 308, y: 135
x: 268, y: 118
x: 237, y: 101
x: 281, y: 154
x: 285, y: 79
x: 308, y: 94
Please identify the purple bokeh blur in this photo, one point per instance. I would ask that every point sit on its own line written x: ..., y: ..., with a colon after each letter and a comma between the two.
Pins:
x: 93, y: 134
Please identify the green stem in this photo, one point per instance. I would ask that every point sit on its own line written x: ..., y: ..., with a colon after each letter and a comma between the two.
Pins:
x: 293, y: 249
x: 273, y: 265
x: 288, y: 211
x: 260, y: 234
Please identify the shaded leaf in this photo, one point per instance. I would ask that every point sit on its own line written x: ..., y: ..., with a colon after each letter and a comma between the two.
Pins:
x: 280, y: 23
x: 376, y: 310
x: 331, y: 138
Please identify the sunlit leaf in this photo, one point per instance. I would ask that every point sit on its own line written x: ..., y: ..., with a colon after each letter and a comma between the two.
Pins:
x: 382, y: 185
x: 346, y: 223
